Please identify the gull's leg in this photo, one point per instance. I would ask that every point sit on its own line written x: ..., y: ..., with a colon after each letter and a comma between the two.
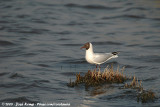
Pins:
x: 96, y: 68
x: 99, y: 67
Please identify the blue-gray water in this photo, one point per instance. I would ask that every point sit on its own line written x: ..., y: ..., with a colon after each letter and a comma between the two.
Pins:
x: 40, y: 44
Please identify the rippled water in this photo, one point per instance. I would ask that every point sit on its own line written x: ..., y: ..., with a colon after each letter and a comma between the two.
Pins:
x: 40, y: 44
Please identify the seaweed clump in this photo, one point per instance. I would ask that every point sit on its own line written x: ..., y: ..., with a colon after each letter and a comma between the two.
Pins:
x: 135, y: 84
x: 143, y: 95
x: 94, y: 78
x: 146, y: 96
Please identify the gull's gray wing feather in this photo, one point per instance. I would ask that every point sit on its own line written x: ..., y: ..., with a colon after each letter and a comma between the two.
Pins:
x: 100, y: 58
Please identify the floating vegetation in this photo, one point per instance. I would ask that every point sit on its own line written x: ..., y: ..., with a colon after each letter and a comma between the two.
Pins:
x: 143, y: 95
x: 146, y: 96
x: 135, y: 84
x: 94, y: 78
x: 109, y: 75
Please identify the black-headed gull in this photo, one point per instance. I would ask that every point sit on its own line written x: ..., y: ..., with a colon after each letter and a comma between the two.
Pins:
x: 97, y: 58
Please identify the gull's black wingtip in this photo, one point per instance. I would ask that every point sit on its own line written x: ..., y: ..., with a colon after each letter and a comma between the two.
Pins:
x: 115, y: 53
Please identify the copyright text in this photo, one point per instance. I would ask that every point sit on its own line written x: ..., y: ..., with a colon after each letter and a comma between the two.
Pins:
x: 25, y: 104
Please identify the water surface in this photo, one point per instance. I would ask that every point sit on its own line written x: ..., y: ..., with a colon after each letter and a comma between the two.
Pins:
x: 40, y: 49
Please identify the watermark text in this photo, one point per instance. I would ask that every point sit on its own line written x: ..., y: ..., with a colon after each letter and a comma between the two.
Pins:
x: 26, y: 104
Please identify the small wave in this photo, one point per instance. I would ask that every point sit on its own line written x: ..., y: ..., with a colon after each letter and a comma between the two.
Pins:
x: 4, y: 22
x: 158, y: 19
x: 73, y: 23
x: 108, y: 43
x: 125, y: 16
x: 41, y: 81
x: 141, y: 67
x: 28, y: 54
x: 99, y: 7
x: 39, y: 21
x: 149, y: 58
x: 68, y: 73
x: 8, y: 7
x: 129, y: 66
x: 23, y: 16
x: 113, y: 62
x: 90, y: 6
x: 69, y: 44
x: 151, y: 79
x: 75, y: 61
x: 3, y: 73
x: 63, y: 39
x: 10, y: 53
x: 135, y: 8
x: 12, y: 85
x: 43, y: 65
x: 16, y: 75
x: 63, y: 32
x: 6, y: 43
x: 32, y: 85
x: 125, y: 95
x: 134, y: 66
x: 134, y: 16
x: 33, y: 31
x: 18, y: 99
x: 133, y: 45
x: 146, y: 59
x: 37, y: 84
x: 110, y: 17
x: 18, y: 8
x: 47, y: 4
x: 72, y: 5
x: 151, y: 46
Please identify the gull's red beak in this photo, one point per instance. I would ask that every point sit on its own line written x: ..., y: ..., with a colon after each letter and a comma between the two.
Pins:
x: 82, y: 47
x: 85, y: 46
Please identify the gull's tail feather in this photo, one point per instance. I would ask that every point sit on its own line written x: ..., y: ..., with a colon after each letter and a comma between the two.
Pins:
x: 115, y: 53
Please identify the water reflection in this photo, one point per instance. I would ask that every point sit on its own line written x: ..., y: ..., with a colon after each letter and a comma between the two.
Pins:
x: 96, y: 92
